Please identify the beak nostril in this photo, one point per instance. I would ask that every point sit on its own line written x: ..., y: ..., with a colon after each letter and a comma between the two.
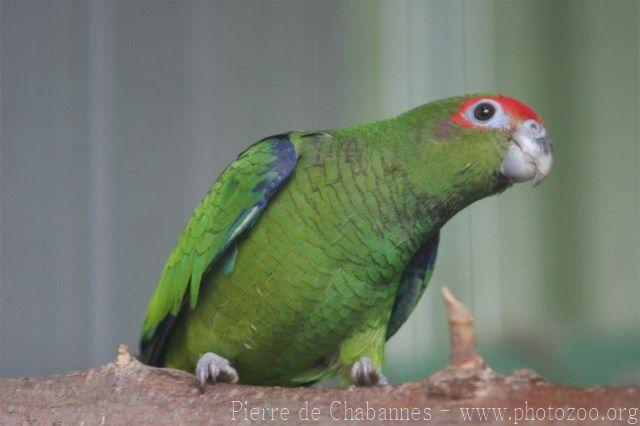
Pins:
x: 532, y: 127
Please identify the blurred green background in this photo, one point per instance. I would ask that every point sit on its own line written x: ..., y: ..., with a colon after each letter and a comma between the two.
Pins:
x: 117, y: 116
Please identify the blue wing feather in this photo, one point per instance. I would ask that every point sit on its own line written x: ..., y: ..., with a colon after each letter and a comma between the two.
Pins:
x: 414, y: 281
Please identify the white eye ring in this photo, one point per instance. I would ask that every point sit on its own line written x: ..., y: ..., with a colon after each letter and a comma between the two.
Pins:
x: 499, y: 120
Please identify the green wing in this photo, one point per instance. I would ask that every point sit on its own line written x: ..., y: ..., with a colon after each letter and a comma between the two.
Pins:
x: 231, y: 206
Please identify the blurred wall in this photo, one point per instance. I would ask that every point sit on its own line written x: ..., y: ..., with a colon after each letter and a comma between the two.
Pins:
x: 117, y: 116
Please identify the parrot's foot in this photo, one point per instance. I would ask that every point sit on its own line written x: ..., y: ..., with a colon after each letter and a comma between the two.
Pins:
x: 365, y: 373
x: 215, y: 368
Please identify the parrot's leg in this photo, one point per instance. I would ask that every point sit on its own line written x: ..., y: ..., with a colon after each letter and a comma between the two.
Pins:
x: 365, y: 373
x: 215, y: 368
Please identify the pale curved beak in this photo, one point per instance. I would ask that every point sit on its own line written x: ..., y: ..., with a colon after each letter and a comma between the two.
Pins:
x: 529, y: 155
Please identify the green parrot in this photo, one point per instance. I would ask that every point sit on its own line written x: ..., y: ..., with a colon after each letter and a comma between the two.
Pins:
x: 313, y: 248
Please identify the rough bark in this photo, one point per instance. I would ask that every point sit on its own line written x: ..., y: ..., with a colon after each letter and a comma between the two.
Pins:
x: 126, y: 391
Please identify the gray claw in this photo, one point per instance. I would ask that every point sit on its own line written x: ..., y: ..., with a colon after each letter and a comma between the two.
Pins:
x: 215, y: 368
x: 365, y: 373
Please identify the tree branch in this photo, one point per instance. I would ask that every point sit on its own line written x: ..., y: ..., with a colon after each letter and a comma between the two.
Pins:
x: 126, y: 391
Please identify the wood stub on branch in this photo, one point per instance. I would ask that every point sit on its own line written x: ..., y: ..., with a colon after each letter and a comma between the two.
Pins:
x: 464, y: 354
x: 467, y: 374
x: 128, y: 392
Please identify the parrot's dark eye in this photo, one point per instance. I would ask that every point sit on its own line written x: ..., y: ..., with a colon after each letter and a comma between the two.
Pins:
x: 484, y: 111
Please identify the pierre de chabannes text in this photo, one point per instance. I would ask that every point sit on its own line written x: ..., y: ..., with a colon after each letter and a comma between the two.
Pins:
x: 345, y: 411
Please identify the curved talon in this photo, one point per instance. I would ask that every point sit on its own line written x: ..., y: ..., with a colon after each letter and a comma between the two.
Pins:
x: 365, y: 373
x: 215, y: 368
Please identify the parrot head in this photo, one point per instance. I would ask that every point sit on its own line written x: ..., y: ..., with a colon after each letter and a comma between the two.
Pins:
x: 526, y: 150
x: 470, y: 147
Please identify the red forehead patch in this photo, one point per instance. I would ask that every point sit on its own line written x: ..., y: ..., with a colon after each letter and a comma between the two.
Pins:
x: 512, y: 107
